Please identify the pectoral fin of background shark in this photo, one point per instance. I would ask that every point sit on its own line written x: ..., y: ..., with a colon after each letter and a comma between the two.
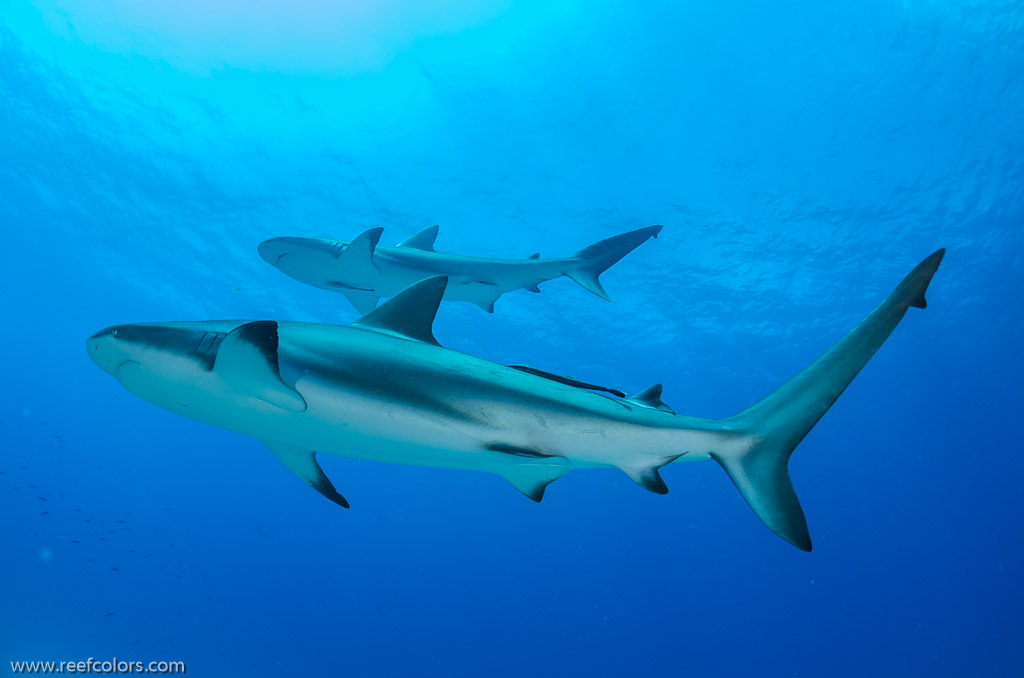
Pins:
x: 303, y: 464
x: 424, y: 240
x: 364, y: 302
x: 410, y: 313
x: 356, y: 259
x: 247, y: 359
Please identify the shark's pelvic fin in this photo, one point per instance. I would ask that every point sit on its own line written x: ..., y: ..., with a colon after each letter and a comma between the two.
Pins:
x: 424, y: 240
x: 247, y: 359
x: 590, y: 262
x: 484, y: 293
x: 410, y: 313
x: 777, y: 423
x: 533, y: 479
x: 651, y: 397
x: 303, y: 464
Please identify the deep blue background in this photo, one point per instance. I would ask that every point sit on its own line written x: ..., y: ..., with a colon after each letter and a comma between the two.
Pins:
x: 802, y: 156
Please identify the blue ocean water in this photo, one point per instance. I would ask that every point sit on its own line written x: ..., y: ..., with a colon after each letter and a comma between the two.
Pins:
x: 802, y: 157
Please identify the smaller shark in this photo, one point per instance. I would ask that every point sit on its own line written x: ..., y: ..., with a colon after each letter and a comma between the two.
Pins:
x: 364, y: 271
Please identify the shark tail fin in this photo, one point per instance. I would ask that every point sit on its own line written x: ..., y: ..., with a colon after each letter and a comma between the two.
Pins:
x: 590, y: 262
x: 777, y: 423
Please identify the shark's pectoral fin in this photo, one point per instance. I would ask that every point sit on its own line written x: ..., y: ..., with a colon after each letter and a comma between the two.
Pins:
x: 650, y: 397
x: 424, y: 240
x: 357, y: 258
x: 647, y: 476
x: 303, y: 464
x: 532, y: 479
x: 247, y: 360
x: 410, y: 313
x: 364, y: 302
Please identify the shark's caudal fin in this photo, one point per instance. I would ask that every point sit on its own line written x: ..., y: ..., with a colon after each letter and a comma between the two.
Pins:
x: 590, y: 262
x: 777, y: 423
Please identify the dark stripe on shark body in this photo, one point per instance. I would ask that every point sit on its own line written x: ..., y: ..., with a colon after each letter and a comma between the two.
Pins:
x: 346, y: 286
x: 198, y: 345
x: 516, y: 450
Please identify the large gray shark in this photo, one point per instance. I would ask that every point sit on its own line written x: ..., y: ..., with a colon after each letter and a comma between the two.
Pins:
x: 383, y: 389
x: 364, y: 271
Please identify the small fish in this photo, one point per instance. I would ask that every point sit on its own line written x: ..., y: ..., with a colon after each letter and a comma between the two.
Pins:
x: 109, y: 614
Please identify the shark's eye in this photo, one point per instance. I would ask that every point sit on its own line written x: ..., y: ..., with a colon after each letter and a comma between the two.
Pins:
x: 113, y: 331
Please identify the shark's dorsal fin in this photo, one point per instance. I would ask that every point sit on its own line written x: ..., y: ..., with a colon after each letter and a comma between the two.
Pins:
x: 424, y: 240
x: 410, y: 313
x: 303, y: 463
x: 568, y: 381
x: 651, y: 397
x: 247, y: 359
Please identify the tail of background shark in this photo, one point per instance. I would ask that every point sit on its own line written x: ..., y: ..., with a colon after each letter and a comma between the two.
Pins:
x: 590, y: 262
x: 778, y: 422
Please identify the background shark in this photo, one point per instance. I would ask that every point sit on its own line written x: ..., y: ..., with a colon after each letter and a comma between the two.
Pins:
x: 364, y: 271
x: 384, y: 389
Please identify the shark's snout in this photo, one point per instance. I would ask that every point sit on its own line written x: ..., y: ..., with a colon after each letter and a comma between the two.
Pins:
x: 273, y: 250
x: 103, y: 350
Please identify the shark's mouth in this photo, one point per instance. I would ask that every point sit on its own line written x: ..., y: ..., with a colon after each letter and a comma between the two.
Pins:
x: 125, y: 369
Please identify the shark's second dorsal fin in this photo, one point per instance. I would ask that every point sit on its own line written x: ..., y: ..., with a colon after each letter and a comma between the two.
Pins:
x: 410, y: 313
x: 247, y: 360
x: 651, y: 397
x: 424, y: 240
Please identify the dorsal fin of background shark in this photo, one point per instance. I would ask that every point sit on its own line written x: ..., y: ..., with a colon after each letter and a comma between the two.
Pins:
x: 365, y: 271
x: 383, y: 389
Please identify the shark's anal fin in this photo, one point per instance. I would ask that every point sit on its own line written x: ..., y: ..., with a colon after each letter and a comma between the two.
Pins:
x: 303, y: 463
x: 410, y: 313
x: 646, y: 475
x: 650, y: 397
x: 424, y: 240
x: 247, y: 360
